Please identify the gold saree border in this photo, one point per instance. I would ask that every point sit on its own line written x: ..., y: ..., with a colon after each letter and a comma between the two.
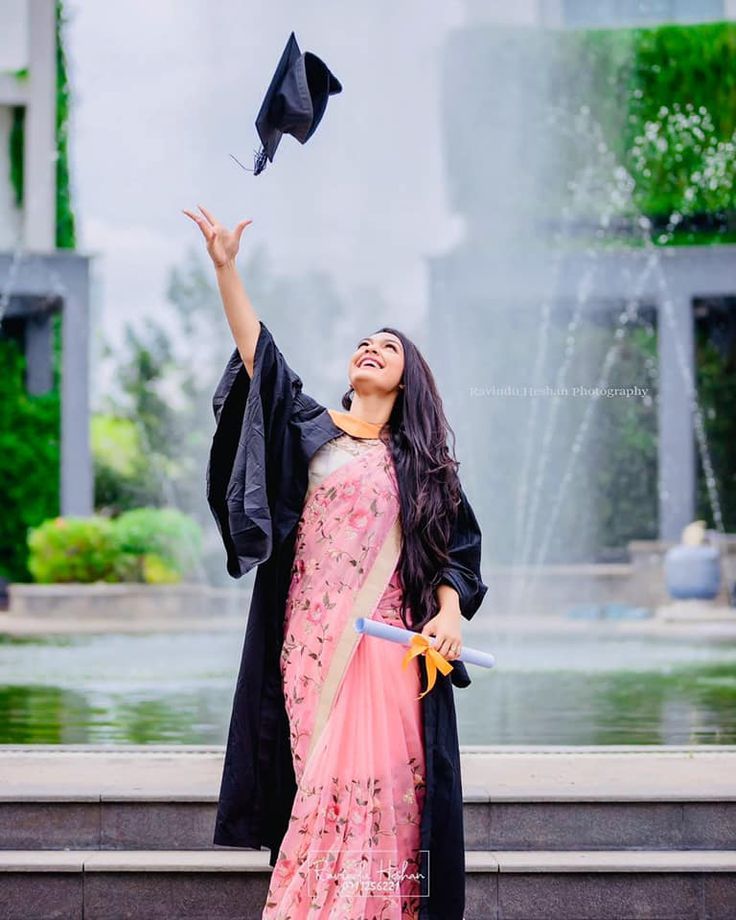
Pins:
x: 364, y: 604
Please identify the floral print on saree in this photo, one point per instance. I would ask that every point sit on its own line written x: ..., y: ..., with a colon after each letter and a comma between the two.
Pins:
x: 351, y: 850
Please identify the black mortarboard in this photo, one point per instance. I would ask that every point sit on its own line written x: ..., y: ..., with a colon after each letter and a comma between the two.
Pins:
x: 295, y: 101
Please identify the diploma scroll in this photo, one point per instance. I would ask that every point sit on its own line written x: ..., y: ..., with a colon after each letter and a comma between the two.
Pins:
x: 404, y: 637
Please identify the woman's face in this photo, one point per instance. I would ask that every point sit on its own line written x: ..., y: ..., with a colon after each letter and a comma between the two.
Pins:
x: 377, y: 364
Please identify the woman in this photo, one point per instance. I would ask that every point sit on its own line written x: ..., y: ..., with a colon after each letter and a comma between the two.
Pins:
x: 339, y: 756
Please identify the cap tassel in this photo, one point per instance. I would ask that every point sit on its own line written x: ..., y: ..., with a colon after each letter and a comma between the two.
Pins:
x: 260, y: 161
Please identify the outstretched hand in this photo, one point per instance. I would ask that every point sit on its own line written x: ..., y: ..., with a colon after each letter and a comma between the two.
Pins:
x: 222, y: 244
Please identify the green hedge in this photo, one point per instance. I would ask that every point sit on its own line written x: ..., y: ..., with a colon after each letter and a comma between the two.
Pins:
x: 29, y: 460
x: 600, y: 98
x: 665, y: 100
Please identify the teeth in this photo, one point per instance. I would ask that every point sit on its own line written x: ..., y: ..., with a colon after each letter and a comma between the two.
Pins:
x: 369, y: 361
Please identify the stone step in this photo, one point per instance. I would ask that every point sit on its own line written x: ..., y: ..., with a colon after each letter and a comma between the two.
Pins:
x: 164, y: 797
x: 228, y: 884
x: 604, y: 885
x: 166, y: 823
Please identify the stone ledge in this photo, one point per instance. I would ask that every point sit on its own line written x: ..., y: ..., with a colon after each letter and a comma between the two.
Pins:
x: 134, y: 860
x: 601, y: 860
x: 227, y: 860
x: 489, y: 773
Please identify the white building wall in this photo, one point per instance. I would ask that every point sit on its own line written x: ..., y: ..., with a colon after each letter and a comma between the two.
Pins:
x: 14, y: 55
x: 13, y: 34
x: 27, y: 39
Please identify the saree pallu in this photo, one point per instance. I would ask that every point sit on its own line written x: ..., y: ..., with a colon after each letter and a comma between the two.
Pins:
x: 351, y: 849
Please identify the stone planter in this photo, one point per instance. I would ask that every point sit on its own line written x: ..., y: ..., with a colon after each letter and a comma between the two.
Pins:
x: 693, y: 572
x: 134, y: 602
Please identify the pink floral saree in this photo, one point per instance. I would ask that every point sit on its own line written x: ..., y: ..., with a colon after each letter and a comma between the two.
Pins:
x: 351, y: 849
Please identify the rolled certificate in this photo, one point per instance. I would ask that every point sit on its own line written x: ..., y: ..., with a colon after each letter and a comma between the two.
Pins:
x: 404, y: 637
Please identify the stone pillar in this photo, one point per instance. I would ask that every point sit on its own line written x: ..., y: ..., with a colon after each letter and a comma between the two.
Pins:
x: 676, y: 354
x: 77, y: 485
x: 39, y: 185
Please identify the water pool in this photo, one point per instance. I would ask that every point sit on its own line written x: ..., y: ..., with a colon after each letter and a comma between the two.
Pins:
x: 177, y: 688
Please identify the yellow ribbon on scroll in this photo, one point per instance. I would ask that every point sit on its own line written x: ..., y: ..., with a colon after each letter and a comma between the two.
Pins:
x: 419, y: 645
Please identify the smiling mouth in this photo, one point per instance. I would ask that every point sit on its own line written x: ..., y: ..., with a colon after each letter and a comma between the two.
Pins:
x: 369, y: 362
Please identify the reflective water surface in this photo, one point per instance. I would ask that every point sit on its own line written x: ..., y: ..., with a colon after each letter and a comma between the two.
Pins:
x: 177, y: 688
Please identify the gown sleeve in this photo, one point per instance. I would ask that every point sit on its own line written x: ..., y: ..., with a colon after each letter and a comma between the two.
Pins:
x: 250, y: 456
x: 462, y: 571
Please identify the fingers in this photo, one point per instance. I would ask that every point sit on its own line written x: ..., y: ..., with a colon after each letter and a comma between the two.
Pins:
x: 214, y: 223
x: 203, y: 225
x: 448, y: 646
x: 454, y: 651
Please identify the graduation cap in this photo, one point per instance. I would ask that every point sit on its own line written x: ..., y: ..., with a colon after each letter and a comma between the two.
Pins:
x: 294, y: 103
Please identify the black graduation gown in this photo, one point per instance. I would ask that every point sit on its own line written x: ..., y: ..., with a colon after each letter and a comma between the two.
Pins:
x: 267, y: 430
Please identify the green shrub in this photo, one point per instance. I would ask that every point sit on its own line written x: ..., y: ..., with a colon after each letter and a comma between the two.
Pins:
x: 151, y: 545
x: 156, y: 570
x: 73, y: 549
x: 167, y: 533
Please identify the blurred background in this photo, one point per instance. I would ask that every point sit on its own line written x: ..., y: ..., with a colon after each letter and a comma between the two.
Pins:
x: 541, y: 197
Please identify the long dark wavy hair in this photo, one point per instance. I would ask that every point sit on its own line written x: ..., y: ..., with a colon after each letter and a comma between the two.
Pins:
x: 427, y: 475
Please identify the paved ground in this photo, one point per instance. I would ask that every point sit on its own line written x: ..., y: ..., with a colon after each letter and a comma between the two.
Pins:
x: 717, y: 624
x: 551, y: 773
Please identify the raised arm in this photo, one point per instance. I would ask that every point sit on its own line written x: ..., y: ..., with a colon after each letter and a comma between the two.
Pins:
x: 253, y: 473
x: 242, y: 318
x: 223, y: 245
